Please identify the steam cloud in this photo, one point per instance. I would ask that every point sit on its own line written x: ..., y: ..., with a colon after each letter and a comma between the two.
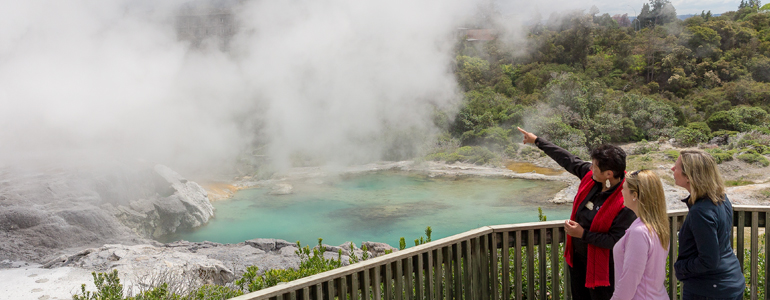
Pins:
x: 340, y: 80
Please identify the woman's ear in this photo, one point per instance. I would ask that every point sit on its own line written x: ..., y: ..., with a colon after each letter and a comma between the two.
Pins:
x: 608, y: 174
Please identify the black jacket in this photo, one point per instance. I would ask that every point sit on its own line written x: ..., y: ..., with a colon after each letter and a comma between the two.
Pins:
x: 706, y: 264
x: 584, y: 216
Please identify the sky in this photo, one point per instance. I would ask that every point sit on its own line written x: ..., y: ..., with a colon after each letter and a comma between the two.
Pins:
x: 632, y: 7
x: 334, y: 81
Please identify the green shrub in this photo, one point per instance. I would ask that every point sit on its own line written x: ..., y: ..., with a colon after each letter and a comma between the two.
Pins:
x: 671, y: 154
x: 720, y: 155
x: 700, y: 126
x: 645, y: 147
x: 753, y: 157
x: 108, y: 287
x: 741, y: 118
x: 689, y: 137
x: 728, y: 133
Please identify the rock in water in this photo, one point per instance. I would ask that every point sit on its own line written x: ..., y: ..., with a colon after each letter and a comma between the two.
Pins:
x: 282, y: 189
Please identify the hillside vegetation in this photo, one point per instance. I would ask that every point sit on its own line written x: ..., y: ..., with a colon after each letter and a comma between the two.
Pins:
x: 585, y: 80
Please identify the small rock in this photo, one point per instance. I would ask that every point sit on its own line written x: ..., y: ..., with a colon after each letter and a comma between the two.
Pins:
x: 282, y: 189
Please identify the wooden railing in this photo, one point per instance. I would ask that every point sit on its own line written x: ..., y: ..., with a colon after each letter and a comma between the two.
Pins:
x: 477, y: 265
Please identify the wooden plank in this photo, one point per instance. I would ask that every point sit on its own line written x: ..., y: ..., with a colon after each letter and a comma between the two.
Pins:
x: 477, y: 280
x: 430, y: 290
x: 354, y: 287
x: 741, y: 225
x: 530, y: 264
x: 484, y: 267
x: 439, y: 272
x: 517, y: 265
x: 467, y: 269
x: 399, y: 291
x: 457, y: 252
x: 672, y: 290
x: 343, y: 287
x: 555, y: 263
x: 767, y: 255
x: 367, y: 289
x: 305, y: 293
x: 543, y: 264
x: 506, y: 267
x: 495, y: 279
x: 388, y: 282
x: 330, y: 287
x: 420, y: 281
x: 377, y: 286
x: 319, y: 292
x: 754, y: 254
x: 447, y: 255
x: 409, y: 278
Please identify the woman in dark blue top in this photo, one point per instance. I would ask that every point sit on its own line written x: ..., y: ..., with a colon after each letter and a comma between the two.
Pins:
x: 706, y: 265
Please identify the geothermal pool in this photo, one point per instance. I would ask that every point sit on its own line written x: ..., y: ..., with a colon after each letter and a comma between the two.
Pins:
x: 379, y: 207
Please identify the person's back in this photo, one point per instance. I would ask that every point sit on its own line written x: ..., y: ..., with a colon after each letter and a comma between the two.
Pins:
x: 709, y: 274
x: 706, y: 264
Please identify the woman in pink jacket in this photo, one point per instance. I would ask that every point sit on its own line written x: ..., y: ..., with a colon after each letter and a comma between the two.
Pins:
x: 640, y: 256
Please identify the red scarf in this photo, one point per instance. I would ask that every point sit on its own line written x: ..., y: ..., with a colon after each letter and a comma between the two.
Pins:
x: 598, y: 265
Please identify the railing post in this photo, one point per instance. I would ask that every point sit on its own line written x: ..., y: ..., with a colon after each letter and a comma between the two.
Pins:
x: 408, y: 279
x: 543, y: 264
x: 467, y: 273
x: 437, y: 275
x: 741, y: 246
x: 530, y: 264
x: 517, y: 265
x: 672, y: 253
x: 495, y: 270
x: 506, y: 267
x: 457, y: 250
x: 399, y: 266
x: 447, y: 254
x: 420, y: 281
x: 555, y: 263
x: 754, y: 254
x: 377, y: 276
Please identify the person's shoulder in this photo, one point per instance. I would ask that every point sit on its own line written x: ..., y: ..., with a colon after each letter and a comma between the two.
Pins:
x: 638, y: 234
x: 704, y: 208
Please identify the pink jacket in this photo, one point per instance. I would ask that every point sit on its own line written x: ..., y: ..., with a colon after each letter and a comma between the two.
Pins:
x: 640, y: 265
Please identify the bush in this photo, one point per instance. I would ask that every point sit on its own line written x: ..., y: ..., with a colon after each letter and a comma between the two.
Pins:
x: 720, y: 155
x: 752, y: 158
x: 700, y: 126
x: 672, y: 154
x: 689, y: 137
x: 741, y: 119
x: 645, y: 147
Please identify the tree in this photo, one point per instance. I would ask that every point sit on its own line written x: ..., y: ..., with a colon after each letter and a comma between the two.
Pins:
x: 657, y: 12
x: 622, y: 20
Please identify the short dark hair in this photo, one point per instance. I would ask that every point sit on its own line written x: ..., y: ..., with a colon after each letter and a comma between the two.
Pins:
x: 609, y: 157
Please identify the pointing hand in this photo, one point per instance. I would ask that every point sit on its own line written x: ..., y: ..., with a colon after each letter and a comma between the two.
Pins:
x: 528, y: 136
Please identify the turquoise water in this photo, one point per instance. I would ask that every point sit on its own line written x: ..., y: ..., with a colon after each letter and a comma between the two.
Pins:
x: 378, y: 207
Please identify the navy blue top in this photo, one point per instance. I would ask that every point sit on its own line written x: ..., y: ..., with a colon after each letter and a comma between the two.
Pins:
x: 706, y: 264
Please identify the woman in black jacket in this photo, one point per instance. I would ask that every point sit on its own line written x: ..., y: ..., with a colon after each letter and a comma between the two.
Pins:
x: 706, y: 265
x: 598, y: 218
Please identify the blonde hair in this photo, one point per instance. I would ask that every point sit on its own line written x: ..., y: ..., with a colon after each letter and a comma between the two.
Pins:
x: 705, y: 180
x: 652, y: 203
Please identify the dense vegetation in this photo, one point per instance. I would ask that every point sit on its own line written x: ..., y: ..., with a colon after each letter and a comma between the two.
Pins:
x: 585, y: 79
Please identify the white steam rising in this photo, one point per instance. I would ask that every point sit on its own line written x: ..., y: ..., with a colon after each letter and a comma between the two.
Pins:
x: 340, y: 80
